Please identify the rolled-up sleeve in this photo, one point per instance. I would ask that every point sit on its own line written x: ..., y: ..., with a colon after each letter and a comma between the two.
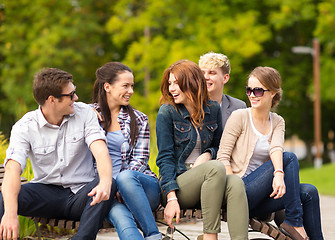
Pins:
x: 19, y: 145
x: 93, y: 130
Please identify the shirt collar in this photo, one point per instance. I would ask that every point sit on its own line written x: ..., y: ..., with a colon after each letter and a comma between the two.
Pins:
x: 43, y: 122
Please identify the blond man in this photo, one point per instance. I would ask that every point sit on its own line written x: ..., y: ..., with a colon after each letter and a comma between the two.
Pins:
x: 216, y: 68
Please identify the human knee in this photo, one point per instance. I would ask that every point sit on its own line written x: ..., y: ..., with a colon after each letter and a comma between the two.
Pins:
x: 119, y: 214
x: 124, y: 178
x: 217, y: 168
x: 235, y: 184
x: 308, y: 192
x: 290, y: 157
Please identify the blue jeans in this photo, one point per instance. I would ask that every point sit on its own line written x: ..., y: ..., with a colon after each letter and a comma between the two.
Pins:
x: 301, y: 201
x: 311, y: 207
x: 141, y: 195
x: 51, y: 201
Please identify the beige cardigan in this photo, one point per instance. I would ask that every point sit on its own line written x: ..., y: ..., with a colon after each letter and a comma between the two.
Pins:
x: 238, y: 140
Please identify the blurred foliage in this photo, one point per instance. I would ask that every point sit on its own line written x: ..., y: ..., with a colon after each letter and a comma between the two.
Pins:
x: 149, y: 35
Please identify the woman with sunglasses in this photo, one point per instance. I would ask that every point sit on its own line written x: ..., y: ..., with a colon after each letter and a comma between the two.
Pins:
x: 128, y: 142
x: 189, y: 128
x: 252, y: 148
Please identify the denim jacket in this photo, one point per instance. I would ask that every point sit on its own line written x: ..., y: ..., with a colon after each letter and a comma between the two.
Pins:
x: 176, y: 139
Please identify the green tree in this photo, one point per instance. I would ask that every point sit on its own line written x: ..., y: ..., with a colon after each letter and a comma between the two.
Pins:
x: 57, y: 33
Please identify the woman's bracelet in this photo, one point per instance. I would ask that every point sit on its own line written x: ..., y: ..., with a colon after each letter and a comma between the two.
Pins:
x: 278, y: 170
x: 171, y: 199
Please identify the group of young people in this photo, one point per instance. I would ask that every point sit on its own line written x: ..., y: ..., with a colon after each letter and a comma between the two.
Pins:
x: 90, y: 162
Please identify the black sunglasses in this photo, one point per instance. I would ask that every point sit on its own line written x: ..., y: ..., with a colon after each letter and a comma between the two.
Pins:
x: 258, y: 92
x: 71, y: 95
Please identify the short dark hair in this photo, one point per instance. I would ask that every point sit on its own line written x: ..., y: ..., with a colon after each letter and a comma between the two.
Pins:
x: 49, y: 82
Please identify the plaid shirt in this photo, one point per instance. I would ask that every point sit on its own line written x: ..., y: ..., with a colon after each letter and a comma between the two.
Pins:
x: 134, y: 157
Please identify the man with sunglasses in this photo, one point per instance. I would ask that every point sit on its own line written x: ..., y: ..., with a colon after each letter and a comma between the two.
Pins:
x: 57, y: 137
x: 216, y: 68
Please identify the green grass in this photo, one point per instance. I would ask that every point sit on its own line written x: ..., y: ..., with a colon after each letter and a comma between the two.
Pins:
x: 323, y: 178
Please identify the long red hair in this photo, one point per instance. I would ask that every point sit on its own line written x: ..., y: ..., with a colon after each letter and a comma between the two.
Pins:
x: 192, y: 82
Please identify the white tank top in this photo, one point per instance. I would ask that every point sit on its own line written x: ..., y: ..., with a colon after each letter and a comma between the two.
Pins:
x: 261, y: 151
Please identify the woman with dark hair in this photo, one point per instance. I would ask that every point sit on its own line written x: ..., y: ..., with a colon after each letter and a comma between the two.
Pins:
x: 189, y: 129
x: 251, y: 147
x: 128, y: 141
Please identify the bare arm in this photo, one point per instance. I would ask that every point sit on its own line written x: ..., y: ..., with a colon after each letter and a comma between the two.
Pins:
x: 104, y: 165
x: 9, y: 227
x: 278, y: 184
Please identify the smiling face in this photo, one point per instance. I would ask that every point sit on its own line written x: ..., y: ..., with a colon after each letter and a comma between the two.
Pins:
x: 65, y: 103
x: 119, y: 93
x: 264, y: 101
x: 215, y: 80
x: 179, y: 96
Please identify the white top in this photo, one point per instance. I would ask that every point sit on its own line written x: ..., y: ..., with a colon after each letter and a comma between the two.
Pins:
x: 196, y: 151
x: 59, y: 155
x: 262, y: 147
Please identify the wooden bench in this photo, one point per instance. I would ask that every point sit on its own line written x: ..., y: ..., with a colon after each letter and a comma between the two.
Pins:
x: 255, y: 224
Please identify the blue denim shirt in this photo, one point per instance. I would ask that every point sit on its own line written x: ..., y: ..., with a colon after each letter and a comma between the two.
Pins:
x: 176, y: 139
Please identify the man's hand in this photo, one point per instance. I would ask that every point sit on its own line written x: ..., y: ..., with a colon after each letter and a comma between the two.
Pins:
x: 9, y: 227
x: 98, y: 115
x: 100, y: 193
x: 104, y: 165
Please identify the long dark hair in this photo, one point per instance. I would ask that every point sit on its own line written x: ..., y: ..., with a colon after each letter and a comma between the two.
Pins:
x: 109, y: 73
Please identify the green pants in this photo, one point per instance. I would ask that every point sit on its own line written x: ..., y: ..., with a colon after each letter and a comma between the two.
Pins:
x: 208, y: 186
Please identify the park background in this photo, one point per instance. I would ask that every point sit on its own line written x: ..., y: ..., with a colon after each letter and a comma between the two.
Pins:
x: 79, y: 36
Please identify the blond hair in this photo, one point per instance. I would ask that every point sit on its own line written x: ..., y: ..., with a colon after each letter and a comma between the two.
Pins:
x: 215, y: 60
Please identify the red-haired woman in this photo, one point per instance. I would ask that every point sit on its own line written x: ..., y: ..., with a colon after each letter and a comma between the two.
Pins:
x: 188, y: 128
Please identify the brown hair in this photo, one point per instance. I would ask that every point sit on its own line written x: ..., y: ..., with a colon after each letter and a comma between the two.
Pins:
x: 270, y: 78
x: 49, y: 82
x: 109, y: 73
x: 192, y: 82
